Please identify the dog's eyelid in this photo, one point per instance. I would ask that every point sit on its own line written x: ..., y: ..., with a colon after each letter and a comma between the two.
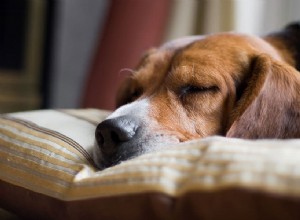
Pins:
x: 187, y: 89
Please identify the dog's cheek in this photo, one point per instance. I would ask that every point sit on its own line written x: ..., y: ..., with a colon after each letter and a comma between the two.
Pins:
x: 169, y: 120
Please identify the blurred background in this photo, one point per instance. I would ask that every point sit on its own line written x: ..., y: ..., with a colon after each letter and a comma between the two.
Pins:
x: 69, y: 53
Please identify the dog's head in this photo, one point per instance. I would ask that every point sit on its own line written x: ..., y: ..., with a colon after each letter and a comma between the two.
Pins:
x: 225, y: 84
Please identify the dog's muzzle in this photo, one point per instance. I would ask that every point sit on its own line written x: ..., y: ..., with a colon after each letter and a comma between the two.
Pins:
x: 117, y: 139
x: 127, y: 133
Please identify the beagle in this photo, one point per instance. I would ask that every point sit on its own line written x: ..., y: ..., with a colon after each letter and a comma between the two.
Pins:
x: 227, y: 84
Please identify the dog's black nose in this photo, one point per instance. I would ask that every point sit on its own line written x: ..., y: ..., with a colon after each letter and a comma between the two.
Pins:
x: 113, y: 132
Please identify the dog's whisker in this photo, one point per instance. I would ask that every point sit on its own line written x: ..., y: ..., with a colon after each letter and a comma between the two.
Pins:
x: 127, y: 70
x: 193, y: 69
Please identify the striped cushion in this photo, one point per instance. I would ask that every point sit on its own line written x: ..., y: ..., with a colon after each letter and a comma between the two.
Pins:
x: 46, y: 172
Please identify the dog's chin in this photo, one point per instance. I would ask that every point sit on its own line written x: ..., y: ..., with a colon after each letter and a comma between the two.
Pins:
x: 130, y: 150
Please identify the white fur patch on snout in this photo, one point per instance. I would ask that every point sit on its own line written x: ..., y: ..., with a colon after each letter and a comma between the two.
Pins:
x: 138, y: 109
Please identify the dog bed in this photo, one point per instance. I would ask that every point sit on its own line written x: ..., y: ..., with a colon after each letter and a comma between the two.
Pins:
x: 47, y: 172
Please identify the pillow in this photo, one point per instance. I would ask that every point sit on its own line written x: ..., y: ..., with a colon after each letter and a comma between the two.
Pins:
x: 46, y: 172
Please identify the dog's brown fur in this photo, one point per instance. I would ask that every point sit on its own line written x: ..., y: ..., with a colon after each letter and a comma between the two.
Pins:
x: 258, y: 88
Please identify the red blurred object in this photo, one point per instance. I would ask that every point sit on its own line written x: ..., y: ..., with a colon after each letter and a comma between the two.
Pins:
x: 132, y: 27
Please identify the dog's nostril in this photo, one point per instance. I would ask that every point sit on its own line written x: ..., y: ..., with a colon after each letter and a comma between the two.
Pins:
x: 115, y: 137
x: 99, y: 137
x: 107, y: 140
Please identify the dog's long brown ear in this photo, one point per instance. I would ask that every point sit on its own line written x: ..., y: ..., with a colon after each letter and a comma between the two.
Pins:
x: 270, y: 104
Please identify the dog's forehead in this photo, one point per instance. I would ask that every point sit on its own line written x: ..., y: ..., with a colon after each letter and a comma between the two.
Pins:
x: 156, y: 62
x: 227, y: 49
x: 217, y: 44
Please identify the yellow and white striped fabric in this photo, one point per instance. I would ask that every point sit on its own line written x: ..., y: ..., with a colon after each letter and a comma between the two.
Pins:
x: 48, y: 153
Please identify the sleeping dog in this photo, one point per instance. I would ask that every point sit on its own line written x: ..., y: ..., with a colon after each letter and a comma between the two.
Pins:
x: 227, y: 84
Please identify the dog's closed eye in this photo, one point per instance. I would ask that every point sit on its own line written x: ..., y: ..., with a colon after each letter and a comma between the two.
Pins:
x: 192, y: 89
